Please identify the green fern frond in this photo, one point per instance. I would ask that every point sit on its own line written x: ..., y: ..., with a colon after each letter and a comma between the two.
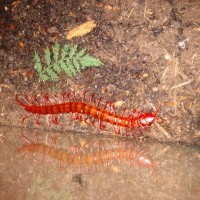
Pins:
x: 77, y: 65
x: 67, y: 59
x: 65, y: 51
x: 57, y: 68
x: 56, y: 50
x: 88, y: 61
x: 48, y: 57
x: 73, y: 51
x: 81, y: 53
x: 38, y: 64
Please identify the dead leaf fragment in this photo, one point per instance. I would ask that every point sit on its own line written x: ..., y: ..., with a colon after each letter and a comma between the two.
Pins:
x: 28, y: 74
x: 106, y: 6
x: 81, y: 30
x: 21, y: 45
x: 170, y: 103
x: 11, y: 27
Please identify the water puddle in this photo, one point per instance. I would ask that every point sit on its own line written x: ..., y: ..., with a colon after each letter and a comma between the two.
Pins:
x: 73, y: 166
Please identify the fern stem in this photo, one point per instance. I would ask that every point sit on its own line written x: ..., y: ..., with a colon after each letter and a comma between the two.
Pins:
x: 46, y: 69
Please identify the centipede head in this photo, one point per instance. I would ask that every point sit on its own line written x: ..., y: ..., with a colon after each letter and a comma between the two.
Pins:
x: 147, y: 119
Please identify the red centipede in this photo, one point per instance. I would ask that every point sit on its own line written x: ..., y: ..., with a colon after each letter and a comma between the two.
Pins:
x: 82, y: 110
x: 85, y: 158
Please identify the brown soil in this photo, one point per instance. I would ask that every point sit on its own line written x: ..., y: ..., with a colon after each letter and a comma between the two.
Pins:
x: 150, y: 50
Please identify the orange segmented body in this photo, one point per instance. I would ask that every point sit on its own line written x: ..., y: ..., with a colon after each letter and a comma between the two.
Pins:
x: 82, y: 110
x: 85, y: 158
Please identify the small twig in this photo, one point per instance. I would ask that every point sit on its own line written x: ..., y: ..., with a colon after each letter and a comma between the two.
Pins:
x: 163, y: 130
x: 160, y: 153
x: 130, y: 14
x: 181, y: 84
x: 108, y: 55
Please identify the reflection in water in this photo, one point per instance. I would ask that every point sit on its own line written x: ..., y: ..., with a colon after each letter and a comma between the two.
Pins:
x: 177, y: 176
x: 88, y: 156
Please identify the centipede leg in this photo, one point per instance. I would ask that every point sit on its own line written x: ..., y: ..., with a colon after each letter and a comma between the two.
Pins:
x: 125, y: 132
x: 132, y: 132
x: 83, y: 96
x: 98, y: 101
x: 46, y: 99
x: 74, y: 95
x: 36, y: 100
x: 91, y: 155
x: 83, y: 149
x: 100, y: 146
x: 37, y: 119
x: 79, y: 157
x: 129, y: 149
x: 102, y: 124
x: 73, y: 149
x: 63, y: 97
x: 75, y: 116
x: 139, y: 131
x: 53, y: 141
x: 28, y: 100
x: 55, y: 99
x: 146, y: 128
x: 93, y: 121
x: 25, y: 154
x: 54, y: 119
x: 36, y: 138
x: 67, y: 95
x: 91, y: 98
x: 25, y: 138
x: 25, y: 117
x: 116, y: 129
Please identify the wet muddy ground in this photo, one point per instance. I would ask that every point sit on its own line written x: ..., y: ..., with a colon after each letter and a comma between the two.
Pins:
x: 174, y: 171
x: 150, y: 53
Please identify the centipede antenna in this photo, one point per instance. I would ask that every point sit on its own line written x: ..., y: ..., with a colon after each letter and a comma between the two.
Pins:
x: 20, y: 102
x: 158, y: 108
